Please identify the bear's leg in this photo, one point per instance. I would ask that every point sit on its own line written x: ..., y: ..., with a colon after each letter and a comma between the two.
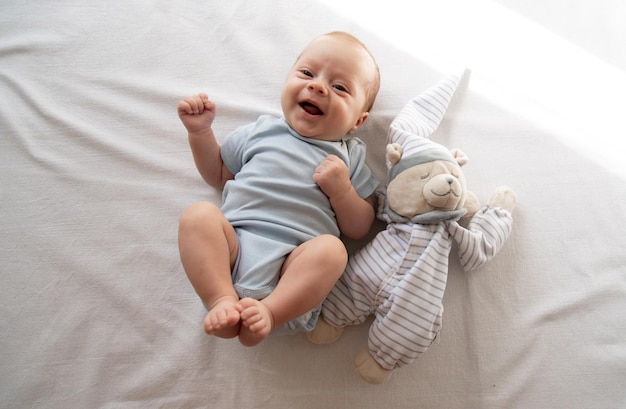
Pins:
x: 369, y: 370
x: 324, y: 333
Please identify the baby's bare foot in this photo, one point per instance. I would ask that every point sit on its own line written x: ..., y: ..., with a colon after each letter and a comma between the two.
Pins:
x: 223, y: 318
x: 256, y: 319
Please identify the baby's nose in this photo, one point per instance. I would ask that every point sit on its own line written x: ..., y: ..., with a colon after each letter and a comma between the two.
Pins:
x: 317, y: 86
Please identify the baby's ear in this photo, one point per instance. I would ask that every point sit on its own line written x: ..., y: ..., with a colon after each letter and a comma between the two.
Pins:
x: 360, y: 120
x: 460, y: 156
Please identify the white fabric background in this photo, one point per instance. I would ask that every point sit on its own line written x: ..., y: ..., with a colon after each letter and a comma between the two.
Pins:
x: 95, y: 310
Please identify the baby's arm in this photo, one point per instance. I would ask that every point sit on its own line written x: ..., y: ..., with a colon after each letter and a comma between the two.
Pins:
x: 354, y: 214
x: 197, y: 113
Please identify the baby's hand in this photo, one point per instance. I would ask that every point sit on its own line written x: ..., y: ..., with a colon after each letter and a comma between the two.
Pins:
x: 333, y: 177
x: 197, y: 112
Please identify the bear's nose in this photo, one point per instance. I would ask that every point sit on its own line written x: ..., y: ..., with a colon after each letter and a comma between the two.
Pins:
x: 449, y: 179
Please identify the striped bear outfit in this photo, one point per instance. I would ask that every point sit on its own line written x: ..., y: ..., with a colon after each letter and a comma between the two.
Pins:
x: 401, y: 275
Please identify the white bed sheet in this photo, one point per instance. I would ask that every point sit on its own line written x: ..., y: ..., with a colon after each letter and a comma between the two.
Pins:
x: 95, y: 310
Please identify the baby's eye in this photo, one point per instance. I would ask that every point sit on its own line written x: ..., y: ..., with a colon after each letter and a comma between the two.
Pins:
x: 307, y: 73
x: 340, y: 88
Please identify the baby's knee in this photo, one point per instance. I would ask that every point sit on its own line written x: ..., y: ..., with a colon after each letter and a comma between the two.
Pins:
x: 198, y: 213
x: 333, y: 251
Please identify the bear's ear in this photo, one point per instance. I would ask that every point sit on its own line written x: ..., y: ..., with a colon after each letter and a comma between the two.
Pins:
x: 460, y: 156
x: 394, y: 152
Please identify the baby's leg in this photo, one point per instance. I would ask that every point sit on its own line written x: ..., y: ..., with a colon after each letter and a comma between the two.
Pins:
x: 307, y: 276
x: 208, y: 250
x: 257, y: 321
x: 223, y: 318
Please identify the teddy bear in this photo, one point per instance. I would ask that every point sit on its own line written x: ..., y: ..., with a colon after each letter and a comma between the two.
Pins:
x: 400, y: 276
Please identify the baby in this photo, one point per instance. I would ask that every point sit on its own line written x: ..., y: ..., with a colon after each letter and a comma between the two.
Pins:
x: 269, y: 256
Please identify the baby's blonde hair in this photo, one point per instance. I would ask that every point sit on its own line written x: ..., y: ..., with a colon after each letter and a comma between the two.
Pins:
x: 374, y: 86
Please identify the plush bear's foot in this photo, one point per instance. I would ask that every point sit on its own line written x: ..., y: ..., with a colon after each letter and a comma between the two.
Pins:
x: 369, y: 369
x: 505, y: 198
x: 324, y: 333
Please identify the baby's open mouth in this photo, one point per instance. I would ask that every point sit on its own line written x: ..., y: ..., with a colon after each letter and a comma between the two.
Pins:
x: 311, y: 108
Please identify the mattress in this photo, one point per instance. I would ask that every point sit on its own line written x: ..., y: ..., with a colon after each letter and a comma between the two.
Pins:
x: 95, y: 308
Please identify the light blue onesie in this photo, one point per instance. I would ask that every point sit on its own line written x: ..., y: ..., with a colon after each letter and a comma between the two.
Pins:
x: 273, y: 202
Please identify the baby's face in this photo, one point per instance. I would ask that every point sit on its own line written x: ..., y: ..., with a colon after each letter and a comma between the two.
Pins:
x: 325, y: 93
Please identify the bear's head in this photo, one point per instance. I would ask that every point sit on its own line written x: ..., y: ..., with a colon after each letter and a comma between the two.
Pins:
x: 428, y: 186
